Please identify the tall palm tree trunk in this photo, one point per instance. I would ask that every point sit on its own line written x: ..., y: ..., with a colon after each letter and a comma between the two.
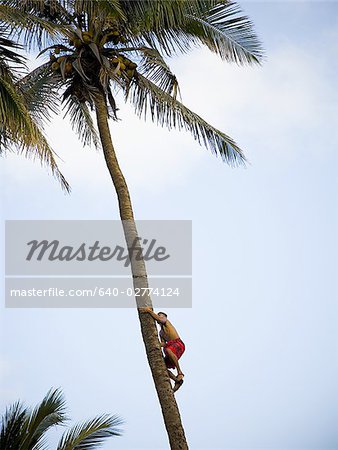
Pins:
x: 170, y: 411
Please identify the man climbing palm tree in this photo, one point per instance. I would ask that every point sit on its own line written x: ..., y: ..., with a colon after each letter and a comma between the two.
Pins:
x: 172, y: 344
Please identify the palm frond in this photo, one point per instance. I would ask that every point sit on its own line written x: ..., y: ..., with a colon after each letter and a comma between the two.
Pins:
x: 50, y: 412
x: 110, y: 8
x: 20, y: 131
x: 158, y: 23
x: 219, y: 25
x: 157, y: 15
x: 12, y: 428
x: 81, y: 120
x: 33, y: 21
x: 13, y: 112
x: 91, y: 434
x: 168, y: 112
x: 153, y: 67
x: 9, y: 58
x: 41, y: 91
x: 168, y: 41
x: 227, y: 33
x: 26, y: 429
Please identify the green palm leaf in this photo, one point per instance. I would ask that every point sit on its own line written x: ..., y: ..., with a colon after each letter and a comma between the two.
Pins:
x: 90, y: 434
x: 226, y: 32
x: 25, y: 429
x: 10, y: 59
x: 12, y: 427
x: 156, y: 15
x: 169, y: 112
x: 33, y: 21
x: 40, y: 89
x: 81, y: 120
x: 93, y: 8
x: 153, y: 66
x: 19, y: 131
x: 50, y: 412
x: 181, y: 25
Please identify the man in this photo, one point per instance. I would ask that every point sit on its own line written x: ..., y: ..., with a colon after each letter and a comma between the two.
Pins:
x: 172, y: 345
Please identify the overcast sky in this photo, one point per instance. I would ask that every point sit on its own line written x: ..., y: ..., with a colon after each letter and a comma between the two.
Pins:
x: 261, y: 338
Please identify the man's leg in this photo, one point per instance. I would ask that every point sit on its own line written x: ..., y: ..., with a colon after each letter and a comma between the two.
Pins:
x: 171, y: 375
x: 174, y: 360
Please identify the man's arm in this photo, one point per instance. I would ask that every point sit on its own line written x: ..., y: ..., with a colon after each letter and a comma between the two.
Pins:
x: 148, y: 310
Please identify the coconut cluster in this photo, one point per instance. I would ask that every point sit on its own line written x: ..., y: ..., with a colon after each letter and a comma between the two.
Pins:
x: 113, y: 35
x: 77, y: 42
x: 66, y: 61
x: 64, y: 64
x: 121, y: 64
x: 110, y: 35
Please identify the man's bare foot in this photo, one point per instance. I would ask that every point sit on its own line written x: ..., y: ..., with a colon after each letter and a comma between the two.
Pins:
x: 177, y: 385
x: 179, y: 381
x: 179, y: 377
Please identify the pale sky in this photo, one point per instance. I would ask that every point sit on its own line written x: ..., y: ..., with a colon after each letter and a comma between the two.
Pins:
x: 261, y: 338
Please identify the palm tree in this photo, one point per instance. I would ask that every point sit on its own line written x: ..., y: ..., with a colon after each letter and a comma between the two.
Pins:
x: 114, y: 45
x: 20, y: 126
x: 23, y: 428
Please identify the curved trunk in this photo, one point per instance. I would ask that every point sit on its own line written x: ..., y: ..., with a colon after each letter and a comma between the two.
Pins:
x: 161, y: 379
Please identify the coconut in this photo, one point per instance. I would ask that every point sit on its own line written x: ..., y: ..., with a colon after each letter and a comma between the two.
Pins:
x: 132, y: 65
x: 87, y: 37
x: 122, y: 66
x: 55, y: 66
x: 59, y: 60
x: 57, y: 50
x: 68, y: 67
x: 130, y: 73
x: 77, y: 43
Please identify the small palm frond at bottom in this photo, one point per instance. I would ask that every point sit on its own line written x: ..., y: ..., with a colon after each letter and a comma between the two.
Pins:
x: 12, y: 428
x: 48, y: 413
x: 89, y: 435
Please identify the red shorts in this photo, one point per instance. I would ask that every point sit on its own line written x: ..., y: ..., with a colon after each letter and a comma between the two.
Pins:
x: 177, y: 347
